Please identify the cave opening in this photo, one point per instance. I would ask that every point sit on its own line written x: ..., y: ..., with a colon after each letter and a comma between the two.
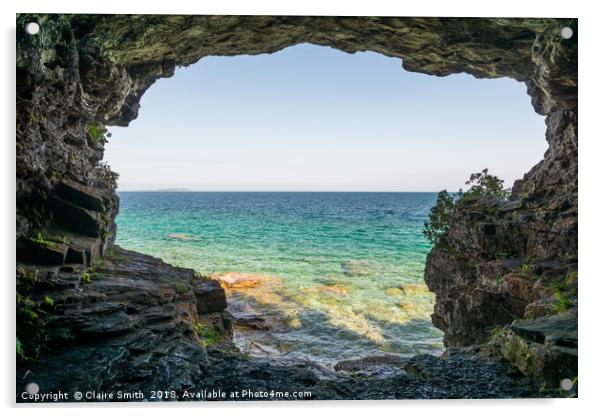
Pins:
x: 301, y: 181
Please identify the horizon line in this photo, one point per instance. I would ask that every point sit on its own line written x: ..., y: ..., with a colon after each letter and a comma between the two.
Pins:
x: 176, y: 191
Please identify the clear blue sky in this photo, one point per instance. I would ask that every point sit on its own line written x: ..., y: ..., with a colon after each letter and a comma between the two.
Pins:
x: 312, y: 118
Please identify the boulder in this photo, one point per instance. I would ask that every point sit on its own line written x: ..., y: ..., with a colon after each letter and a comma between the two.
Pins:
x: 210, y: 296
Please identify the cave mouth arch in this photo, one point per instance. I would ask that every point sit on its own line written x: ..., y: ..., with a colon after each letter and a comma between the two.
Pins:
x: 120, y: 56
x: 98, y: 67
x: 176, y: 245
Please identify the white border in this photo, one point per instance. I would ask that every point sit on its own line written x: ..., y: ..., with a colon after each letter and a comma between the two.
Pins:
x: 589, y: 190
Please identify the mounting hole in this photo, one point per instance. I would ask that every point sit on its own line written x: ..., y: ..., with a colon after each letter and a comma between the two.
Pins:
x: 566, y: 384
x: 566, y: 32
x: 32, y: 388
x: 32, y: 28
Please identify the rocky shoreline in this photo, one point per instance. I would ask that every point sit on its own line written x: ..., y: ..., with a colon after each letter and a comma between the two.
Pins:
x: 139, y: 324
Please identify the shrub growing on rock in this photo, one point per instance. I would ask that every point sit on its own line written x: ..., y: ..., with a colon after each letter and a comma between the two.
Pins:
x: 437, y: 224
x: 482, y: 185
x: 96, y: 133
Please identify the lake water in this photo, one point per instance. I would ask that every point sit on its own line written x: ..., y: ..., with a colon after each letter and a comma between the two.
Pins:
x: 344, y: 271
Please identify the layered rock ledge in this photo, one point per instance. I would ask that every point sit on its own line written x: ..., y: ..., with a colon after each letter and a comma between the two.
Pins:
x: 130, y: 322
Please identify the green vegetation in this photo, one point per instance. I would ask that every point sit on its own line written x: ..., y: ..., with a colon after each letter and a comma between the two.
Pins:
x: 96, y: 132
x: 495, y: 332
x: 104, y: 172
x: 33, y: 315
x: 106, y: 224
x: 70, y: 155
x: 92, y: 273
x: 180, y: 287
x: 20, y: 351
x: 437, y: 224
x: 42, y: 240
x: 86, y: 277
x: 565, y: 296
x: 54, y: 175
x: 208, y: 336
x: 484, y: 185
x: 45, y: 240
x: 527, y: 270
x: 481, y: 185
x: 571, y: 278
x: 565, y: 293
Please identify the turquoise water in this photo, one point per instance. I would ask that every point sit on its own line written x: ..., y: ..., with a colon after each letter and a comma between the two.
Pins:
x: 333, y: 264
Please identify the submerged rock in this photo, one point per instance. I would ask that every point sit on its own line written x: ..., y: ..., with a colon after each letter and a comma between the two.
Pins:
x: 393, y: 291
x: 408, y: 307
x: 252, y: 322
x: 414, y: 289
x: 357, y: 268
x: 235, y: 280
x: 337, y: 289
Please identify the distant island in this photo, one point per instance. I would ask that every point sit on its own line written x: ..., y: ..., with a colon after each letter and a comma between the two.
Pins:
x: 162, y: 190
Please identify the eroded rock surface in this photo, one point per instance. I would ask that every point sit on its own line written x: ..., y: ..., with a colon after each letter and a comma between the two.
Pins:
x: 128, y: 323
x: 544, y: 348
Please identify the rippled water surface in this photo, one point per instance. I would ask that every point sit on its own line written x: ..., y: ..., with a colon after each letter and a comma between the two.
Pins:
x: 343, y: 271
